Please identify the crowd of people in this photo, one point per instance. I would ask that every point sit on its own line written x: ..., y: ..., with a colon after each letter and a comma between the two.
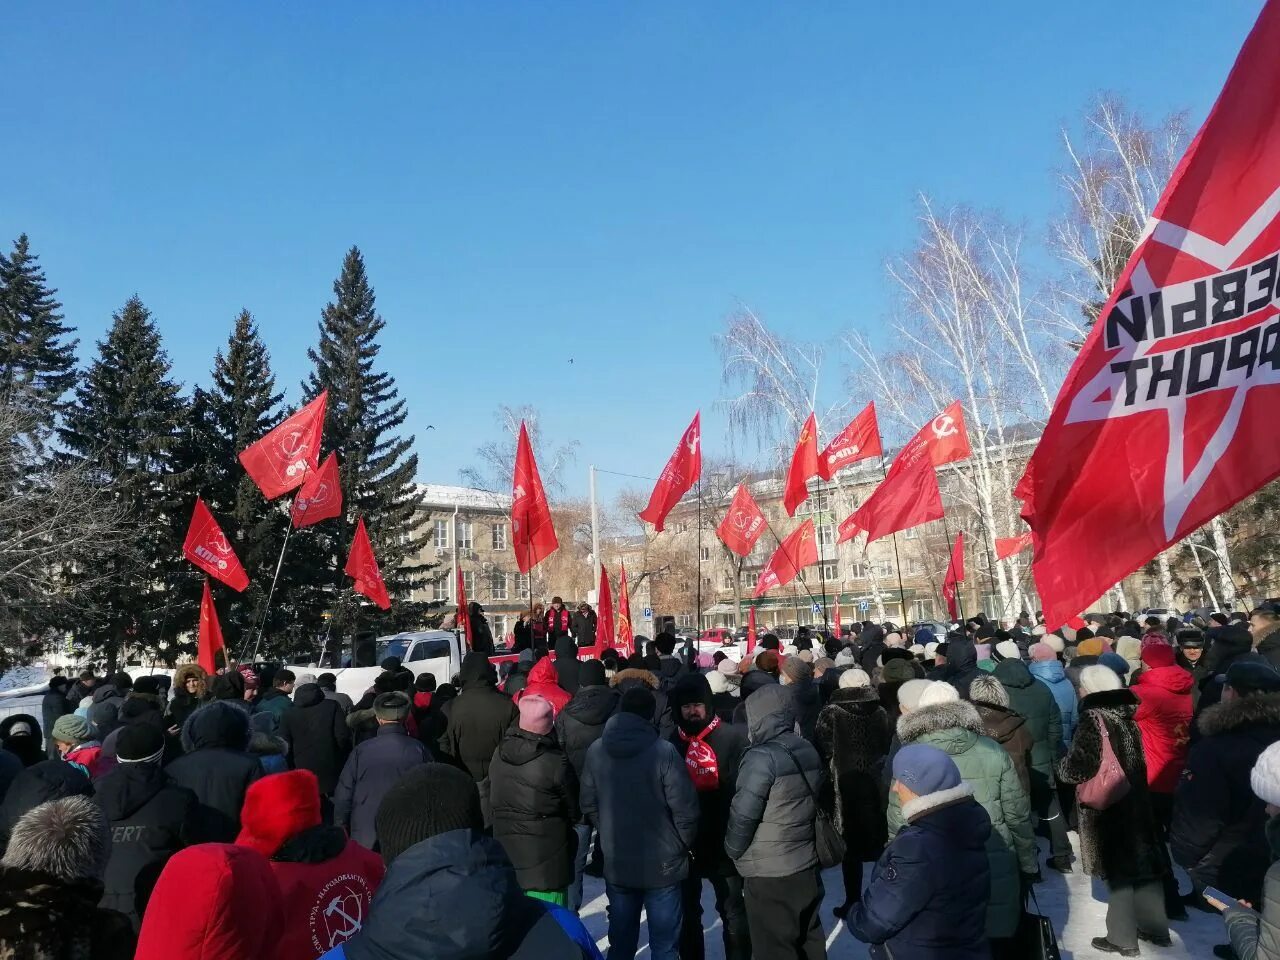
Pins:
x: 265, y: 814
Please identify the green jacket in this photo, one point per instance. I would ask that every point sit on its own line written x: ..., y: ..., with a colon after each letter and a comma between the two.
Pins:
x: 1035, y: 701
x: 957, y: 730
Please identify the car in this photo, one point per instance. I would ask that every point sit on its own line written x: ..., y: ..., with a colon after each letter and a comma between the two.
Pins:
x: 937, y: 626
x: 437, y: 652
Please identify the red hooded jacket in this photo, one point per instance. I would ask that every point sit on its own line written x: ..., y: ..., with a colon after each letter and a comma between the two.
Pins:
x: 326, y: 879
x: 1164, y: 716
x: 543, y: 682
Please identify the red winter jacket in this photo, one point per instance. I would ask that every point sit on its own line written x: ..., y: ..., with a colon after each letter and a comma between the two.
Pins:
x: 543, y: 683
x: 1163, y: 717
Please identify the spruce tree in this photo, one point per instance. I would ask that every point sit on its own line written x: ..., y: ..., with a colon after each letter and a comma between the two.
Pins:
x: 124, y: 424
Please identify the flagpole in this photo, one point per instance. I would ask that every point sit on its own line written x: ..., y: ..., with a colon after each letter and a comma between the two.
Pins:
x: 897, y: 561
x: 262, y: 621
x: 822, y: 573
x: 697, y: 627
x: 946, y: 531
x: 986, y: 544
x: 457, y: 577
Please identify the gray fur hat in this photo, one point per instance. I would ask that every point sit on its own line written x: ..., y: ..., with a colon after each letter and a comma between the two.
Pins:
x: 65, y: 838
x: 988, y: 690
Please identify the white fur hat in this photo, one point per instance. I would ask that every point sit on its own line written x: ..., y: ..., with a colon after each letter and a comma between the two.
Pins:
x: 894, y: 640
x: 853, y: 677
x: 938, y: 692
x: 1008, y: 650
x: 1039, y: 630
x: 1096, y: 678
x: 931, y: 648
x: 909, y: 693
x: 1053, y: 642
x: 1265, y: 778
x: 845, y: 657
x: 916, y: 650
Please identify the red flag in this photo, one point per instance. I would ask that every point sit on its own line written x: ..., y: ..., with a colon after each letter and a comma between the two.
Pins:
x: 955, y: 576
x: 848, y: 528
x: 362, y: 565
x: 680, y: 473
x: 279, y: 461
x: 797, y: 551
x: 209, y: 549
x: 751, y: 631
x: 209, y: 639
x: 903, y: 501
x: 604, y: 612
x: 626, y: 644
x: 533, y: 534
x: 743, y: 524
x: 462, y: 616
x: 944, y: 439
x: 1166, y: 417
x: 1008, y: 546
x: 835, y: 614
x: 859, y: 440
x: 320, y: 497
x: 804, y: 465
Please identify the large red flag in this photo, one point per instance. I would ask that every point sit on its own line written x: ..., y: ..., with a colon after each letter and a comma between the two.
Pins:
x: 751, y: 631
x: 804, y: 466
x: 797, y: 551
x: 604, y: 612
x: 209, y: 638
x: 209, y: 549
x: 835, y: 614
x: 905, y: 500
x: 1168, y: 414
x: 955, y: 576
x: 462, y: 614
x: 533, y: 534
x: 1008, y: 546
x: 279, y: 461
x: 626, y: 643
x: 320, y: 497
x: 363, y: 566
x: 743, y: 524
x: 859, y: 440
x: 944, y: 439
x: 678, y: 476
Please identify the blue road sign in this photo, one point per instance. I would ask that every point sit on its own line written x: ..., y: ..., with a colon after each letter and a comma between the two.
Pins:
x: 648, y: 613
x: 864, y: 605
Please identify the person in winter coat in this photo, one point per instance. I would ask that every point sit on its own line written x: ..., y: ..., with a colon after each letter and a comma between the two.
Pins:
x: 190, y: 693
x: 633, y: 777
x: 751, y: 682
x: 374, y: 767
x: 870, y: 646
x: 635, y: 678
x: 476, y: 719
x: 449, y: 890
x: 326, y: 880
x: 82, y: 689
x: 1035, y: 702
x: 1217, y: 834
x: 50, y: 885
x: 990, y: 698
x: 805, y: 700
x: 276, y: 702
x: 317, y: 734
x: 582, y: 623
x: 328, y: 684
x: 962, y: 664
x: 929, y: 891
x: 669, y: 667
x: 217, y: 768
x: 1264, y: 624
x: 567, y: 666
x: 1227, y: 645
x: 20, y: 735
x: 852, y: 736
x: 955, y: 728
x: 213, y: 901
x: 52, y: 706
x: 771, y: 835
x: 1255, y: 933
x: 533, y: 796
x: 37, y: 784
x: 150, y: 819
x: 104, y: 706
x: 543, y: 683
x: 712, y: 751
x: 1120, y: 844
x: 73, y: 737
x: 556, y: 622
x: 1046, y: 668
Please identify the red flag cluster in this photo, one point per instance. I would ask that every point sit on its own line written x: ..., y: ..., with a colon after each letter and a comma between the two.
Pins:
x: 462, y: 613
x: 626, y: 643
x: 797, y: 551
x: 279, y: 462
x: 858, y: 441
x: 903, y: 501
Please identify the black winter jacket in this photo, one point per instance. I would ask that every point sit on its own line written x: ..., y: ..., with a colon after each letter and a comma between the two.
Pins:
x: 533, y: 795
x: 45, y: 918
x: 318, y: 737
x: 624, y: 680
x: 476, y: 719
x: 150, y: 819
x: 1226, y: 646
x: 583, y: 626
x: 1034, y: 701
x: 373, y: 768
x: 567, y: 665
x: 217, y: 768
x: 104, y: 712
x: 52, y: 706
x: 807, y: 703
x: 581, y: 722
x: 853, y: 736
x: 631, y: 777
x: 961, y: 668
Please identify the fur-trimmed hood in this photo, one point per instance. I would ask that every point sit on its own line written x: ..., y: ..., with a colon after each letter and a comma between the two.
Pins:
x: 958, y: 714
x: 186, y: 671
x: 636, y: 675
x: 1261, y: 709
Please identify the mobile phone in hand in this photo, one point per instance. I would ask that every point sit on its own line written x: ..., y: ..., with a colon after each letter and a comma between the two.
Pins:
x: 1219, y: 900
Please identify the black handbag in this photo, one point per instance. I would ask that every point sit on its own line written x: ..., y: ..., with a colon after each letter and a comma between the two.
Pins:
x: 1037, y: 941
x: 831, y: 846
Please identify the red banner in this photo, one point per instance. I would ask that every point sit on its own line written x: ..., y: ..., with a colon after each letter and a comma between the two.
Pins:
x: 462, y: 615
x: 209, y: 549
x: 804, y: 466
x: 835, y: 615
x: 751, y: 631
x: 604, y: 612
x: 743, y: 524
x: 954, y: 576
x: 533, y: 533
x: 1166, y: 417
x: 678, y: 476
x: 1008, y: 546
x: 320, y: 497
x: 858, y: 441
x: 906, y: 499
x: 797, y: 551
x: 209, y: 638
x: 944, y: 439
x: 279, y: 462
x: 362, y: 565
x: 626, y: 643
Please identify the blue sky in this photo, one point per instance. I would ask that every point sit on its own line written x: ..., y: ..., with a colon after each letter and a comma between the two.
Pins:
x: 536, y: 181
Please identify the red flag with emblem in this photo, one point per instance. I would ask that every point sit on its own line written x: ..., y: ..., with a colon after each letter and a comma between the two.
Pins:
x: 955, y: 576
x: 604, y: 612
x: 626, y: 643
x: 279, y: 462
x: 944, y: 439
x: 461, y: 615
x: 678, y: 476
x: 1009, y: 546
x: 1167, y: 415
x: 743, y: 524
x: 362, y: 565
x: 858, y: 441
x: 904, y: 500
x: 533, y: 534
x: 209, y: 638
x: 209, y: 549
x: 751, y: 631
x: 320, y: 497
x: 797, y: 551
x: 804, y: 466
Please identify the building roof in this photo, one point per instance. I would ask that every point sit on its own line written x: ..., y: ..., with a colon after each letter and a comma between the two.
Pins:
x: 470, y: 498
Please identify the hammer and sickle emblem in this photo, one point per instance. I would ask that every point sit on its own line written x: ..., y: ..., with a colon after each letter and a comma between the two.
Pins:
x: 944, y: 426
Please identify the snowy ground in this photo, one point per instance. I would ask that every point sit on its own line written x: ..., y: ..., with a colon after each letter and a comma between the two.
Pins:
x: 1070, y: 901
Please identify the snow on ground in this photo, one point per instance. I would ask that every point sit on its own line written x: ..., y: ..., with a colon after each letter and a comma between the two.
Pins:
x: 1069, y: 901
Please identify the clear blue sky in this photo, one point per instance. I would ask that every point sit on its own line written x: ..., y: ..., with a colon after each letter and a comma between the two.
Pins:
x: 532, y: 181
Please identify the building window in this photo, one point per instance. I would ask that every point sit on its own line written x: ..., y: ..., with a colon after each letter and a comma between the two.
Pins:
x: 500, y: 627
x: 440, y: 538
x: 819, y: 502
x: 440, y: 588
x: 680, y: 527
x: 727, y: 581
x: 464, y: 535
x: 911, y: 534
x: 469, y: 583
x: 522, y: 584
x: 829, y: 571
x: 857, y: 570
x: 921, y: 609
x: 684, y: 619
x: 915, y: 568
x: 882, y: 568
x: 704, y: 554
x: 750, y: 579
x: 499, y: 536
x: 706, y: 582
x: 497, y: 586
x: 826, y: 534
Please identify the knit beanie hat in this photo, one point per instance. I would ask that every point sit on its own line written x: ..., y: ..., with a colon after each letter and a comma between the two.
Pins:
x: 1265, y: 778
x: 768, y: 662
x: 1006, y: 650
x: 277, y: 808
x: 925, y: 769
x: 910, y: 692
x: 988, y: 690
x: 1093, y: 647
x: 72, y: 729
x: 1158, y: 655
x: 391, y: 706
x: 148, y: 686
x: 894, y: 640
x: 805, y: 656
x: 139, y: 743
x: 431, y: 799
x: 1096, y: 678
x: 845, y: 657
x: 938, y: 692
x: 536, y: 715
x: 853, y: 677
x: 796, y: 670
x: 1042, y: 651
x: 640, y: 701
x: 1054, y: 642
x: 728, y: 667
x: 591, y: 674
x: 1113, y: 661
x: 897, y: 671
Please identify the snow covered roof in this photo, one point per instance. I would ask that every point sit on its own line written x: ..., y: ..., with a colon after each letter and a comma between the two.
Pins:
x: 445, y: 495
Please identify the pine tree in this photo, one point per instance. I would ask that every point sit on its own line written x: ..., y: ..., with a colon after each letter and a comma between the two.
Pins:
x: 124, y: 424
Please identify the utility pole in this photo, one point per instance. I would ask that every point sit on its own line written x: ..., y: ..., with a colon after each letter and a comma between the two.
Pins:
x: 595, y: 533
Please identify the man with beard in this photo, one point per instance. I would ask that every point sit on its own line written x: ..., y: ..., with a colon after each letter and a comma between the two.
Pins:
x: 712, y: 750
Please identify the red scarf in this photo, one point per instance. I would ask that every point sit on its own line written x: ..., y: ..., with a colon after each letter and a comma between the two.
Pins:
x: 704, y: 768
x: 563, y: 615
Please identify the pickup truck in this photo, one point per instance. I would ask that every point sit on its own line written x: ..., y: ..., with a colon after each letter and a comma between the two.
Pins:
x: 426, y: 651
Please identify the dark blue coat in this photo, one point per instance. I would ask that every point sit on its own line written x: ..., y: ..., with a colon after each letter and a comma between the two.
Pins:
x: 373, y: 768
x: 928, y: 894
